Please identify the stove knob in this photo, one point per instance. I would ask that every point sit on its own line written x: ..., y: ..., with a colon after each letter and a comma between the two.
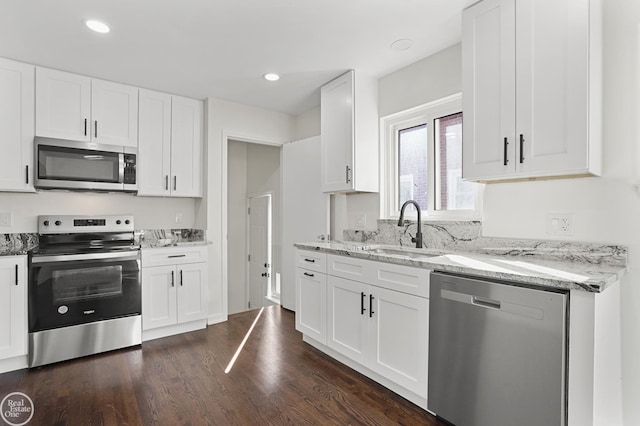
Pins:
x: 46, y: 223
x: 118, y: 222
x: 58, y: 223
x: 127, y: 222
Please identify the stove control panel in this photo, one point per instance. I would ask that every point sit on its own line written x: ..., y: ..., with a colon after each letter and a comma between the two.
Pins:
x: 71, y: 224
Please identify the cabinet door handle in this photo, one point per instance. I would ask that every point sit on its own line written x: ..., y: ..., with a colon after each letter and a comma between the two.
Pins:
x: 173, y: 282
x: 175, y: 183
x: 371, y: 305
x: 16, y: 274
x: 347, y: 170
x: 362, y: 296
x: 506, y: 144
x: 166, y: 182
x: 85, y: 127
x: 27, y: 174
x: 521, y: 148
x: 309, y: 275
x: 181, y: 283
x: 96, y: 128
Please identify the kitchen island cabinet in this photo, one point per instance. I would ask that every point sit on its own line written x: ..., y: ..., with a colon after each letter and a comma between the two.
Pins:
x: 531, y: 83
x: 13, y: 313
x: 16, y: 126
x: 174, y: 290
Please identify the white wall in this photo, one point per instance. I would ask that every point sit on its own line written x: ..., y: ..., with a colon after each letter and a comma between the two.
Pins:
x: 230, y: 120
x: 149, y: 212
x: 307, y: 124
x: 237, y: 226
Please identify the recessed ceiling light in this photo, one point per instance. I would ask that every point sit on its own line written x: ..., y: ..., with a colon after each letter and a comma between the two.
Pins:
x: 402, y: 44
x: 271, y: 77
x: 97, y: 26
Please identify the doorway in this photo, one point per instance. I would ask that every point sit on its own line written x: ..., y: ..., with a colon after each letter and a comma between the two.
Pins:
x: 253, y: 172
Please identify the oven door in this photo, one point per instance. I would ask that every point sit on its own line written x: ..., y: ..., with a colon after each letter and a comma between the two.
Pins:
x: 82, y: 288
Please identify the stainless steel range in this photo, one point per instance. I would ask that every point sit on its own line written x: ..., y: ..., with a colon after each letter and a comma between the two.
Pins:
x: 84, y: 287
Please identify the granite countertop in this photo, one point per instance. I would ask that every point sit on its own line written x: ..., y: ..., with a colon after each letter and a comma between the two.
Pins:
x: 569, y: 274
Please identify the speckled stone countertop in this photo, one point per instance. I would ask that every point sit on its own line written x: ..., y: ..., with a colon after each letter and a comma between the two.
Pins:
x: 569, y: 274
x: 171, y: 237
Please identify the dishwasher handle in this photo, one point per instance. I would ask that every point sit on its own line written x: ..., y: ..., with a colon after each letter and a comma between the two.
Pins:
x: 486, y: 303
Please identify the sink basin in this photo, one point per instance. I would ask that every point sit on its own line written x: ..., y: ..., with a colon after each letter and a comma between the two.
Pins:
x: 401, y: 252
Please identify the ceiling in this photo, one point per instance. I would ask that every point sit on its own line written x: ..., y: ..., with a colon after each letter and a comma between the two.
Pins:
x: 221, y: 48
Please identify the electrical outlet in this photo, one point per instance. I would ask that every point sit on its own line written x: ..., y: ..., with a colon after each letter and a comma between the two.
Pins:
x: 5, y: 219
x: 178, y: 217
x: 360, y: 220
x: 560, y: 224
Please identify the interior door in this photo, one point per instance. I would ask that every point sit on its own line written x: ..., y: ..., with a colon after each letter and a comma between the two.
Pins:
x: 305, y: 208
x: 259, y: 249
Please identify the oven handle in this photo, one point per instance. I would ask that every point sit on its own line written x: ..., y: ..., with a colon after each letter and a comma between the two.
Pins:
x: 127, y: 255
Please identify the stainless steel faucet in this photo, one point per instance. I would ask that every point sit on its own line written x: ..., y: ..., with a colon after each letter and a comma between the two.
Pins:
x: 418, y: 237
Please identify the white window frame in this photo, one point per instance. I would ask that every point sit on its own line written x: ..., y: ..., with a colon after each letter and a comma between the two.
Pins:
x: 389, y: 128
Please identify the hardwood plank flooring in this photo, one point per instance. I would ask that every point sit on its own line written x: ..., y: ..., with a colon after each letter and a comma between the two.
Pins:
x: 180, y: 380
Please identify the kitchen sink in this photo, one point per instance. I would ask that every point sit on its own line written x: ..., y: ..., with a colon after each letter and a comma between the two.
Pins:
x: 413, y: 254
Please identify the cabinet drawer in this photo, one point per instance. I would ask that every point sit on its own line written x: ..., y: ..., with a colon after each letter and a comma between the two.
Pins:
x: 173, y: 255
x: 311, y: 260
x: 349, y: 268
x: 401, y: 278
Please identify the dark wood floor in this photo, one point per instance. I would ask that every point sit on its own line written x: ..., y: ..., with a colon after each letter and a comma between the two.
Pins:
x: 180, y: 380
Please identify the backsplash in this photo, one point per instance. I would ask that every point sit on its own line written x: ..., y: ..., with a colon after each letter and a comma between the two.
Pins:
x: 466, y: 236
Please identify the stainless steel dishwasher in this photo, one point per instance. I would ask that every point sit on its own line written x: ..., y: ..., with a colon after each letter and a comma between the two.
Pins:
x: 497, y: 352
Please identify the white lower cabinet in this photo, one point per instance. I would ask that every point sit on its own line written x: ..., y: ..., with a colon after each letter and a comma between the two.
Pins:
x: 354, y: 311
x: 174, y: 291
x: 13, y: 313
x: 311, y: 316
x: 385, y: 330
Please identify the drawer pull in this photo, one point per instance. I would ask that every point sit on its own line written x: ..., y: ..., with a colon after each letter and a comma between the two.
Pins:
x: 309, y: 260
x: 171, y: 256
x: 309, y: 275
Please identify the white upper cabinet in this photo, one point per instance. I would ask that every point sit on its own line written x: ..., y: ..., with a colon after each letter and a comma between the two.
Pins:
x: 63, y: 105
x: 170, y: 145
x: 114, y: 113
x: 531, y: 89
x: 154, y: 143
x: 70, y: 106
x: 349, y: 128
x: 16, y: 126
x: 186, y: 147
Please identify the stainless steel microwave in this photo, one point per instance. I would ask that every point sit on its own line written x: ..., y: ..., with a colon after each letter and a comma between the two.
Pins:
x: 84, y: 166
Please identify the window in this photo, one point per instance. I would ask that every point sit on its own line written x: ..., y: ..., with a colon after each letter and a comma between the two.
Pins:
x: 422, y: 161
